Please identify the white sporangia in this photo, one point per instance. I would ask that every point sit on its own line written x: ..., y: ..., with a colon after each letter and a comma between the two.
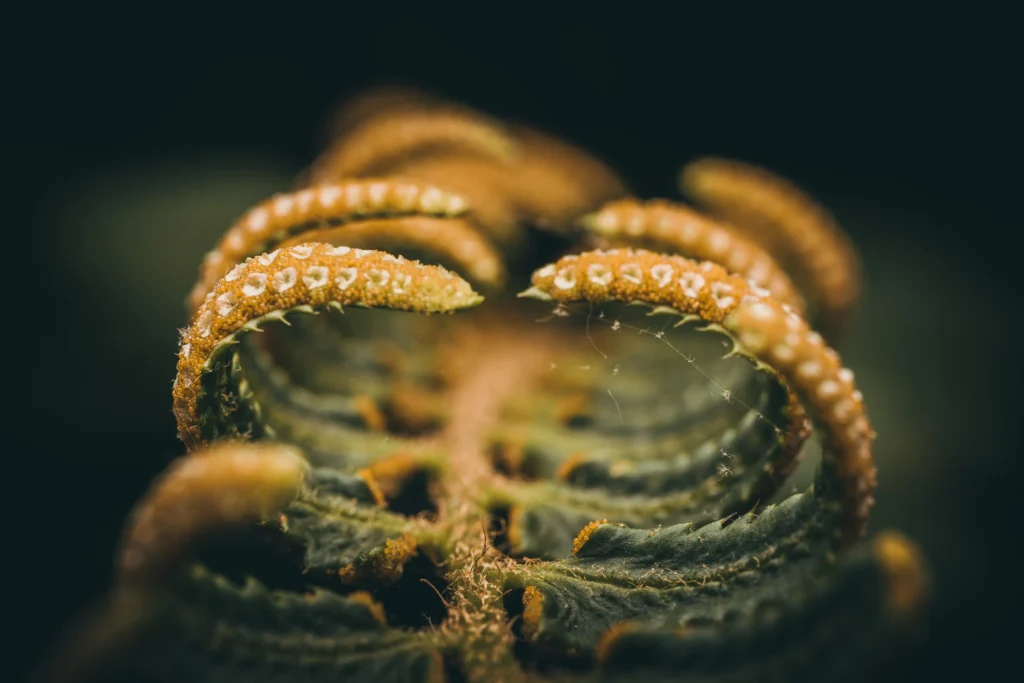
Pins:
x: 268, y: 258
x: 346, y: 276
x: 401, y: 283
x: 255, y: 284
x: 315, y: 276
x: 226, y: 303
x: 378, y: 277
x: 235, y: 273
x: 599, y: 274
x: 662, y: 274
x: 631, y: 273
x: 691, y: 284
x: 285, y: 278
x: 566, y: 278
x: 204, y: 322
x: 721, y: 292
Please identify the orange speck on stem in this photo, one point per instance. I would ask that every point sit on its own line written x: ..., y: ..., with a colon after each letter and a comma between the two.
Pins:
x: 533, y: 608
x: 585, y: 533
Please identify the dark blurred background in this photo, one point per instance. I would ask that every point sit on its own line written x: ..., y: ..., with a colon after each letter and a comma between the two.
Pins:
x: 138, y: 135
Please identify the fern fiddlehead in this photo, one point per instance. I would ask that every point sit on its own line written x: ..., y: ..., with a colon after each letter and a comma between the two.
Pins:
x: 374, y: 492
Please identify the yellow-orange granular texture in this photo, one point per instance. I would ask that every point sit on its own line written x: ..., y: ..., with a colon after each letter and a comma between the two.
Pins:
x: 393, y: 557
x: 533, y: 609
x: 585, y: 533
x: 453, y: 241
x: 664, y: 226
x: 767, y: 330
x: 226, y: 485
x: 306, y: 274
x: 801, y: 234
x: 268, y: 223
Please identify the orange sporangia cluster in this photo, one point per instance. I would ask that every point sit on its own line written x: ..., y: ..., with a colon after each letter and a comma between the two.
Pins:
x: 585, y: 534
x: 533, y: 609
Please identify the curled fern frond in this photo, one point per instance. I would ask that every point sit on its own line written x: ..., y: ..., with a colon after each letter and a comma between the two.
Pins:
x: 585, y: 481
